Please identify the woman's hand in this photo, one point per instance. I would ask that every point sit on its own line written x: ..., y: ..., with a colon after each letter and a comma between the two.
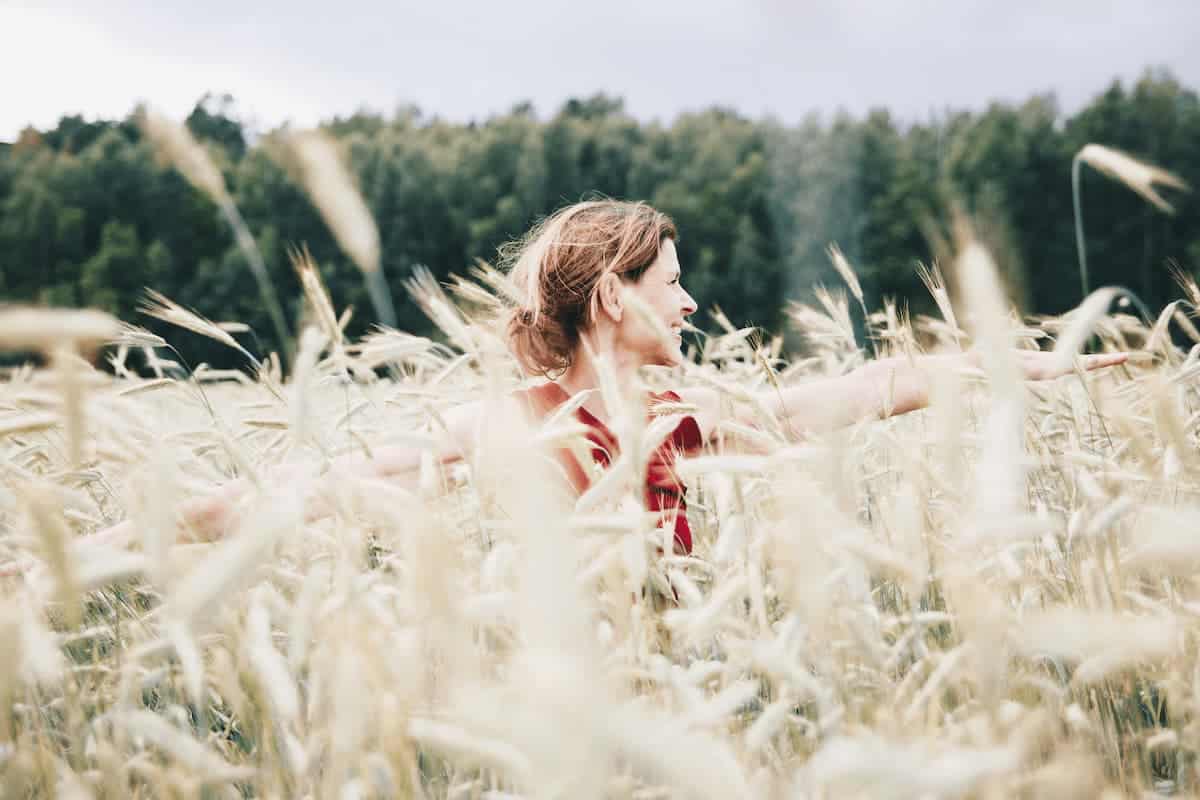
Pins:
x: 1038, y: 365
x: 17, y: 566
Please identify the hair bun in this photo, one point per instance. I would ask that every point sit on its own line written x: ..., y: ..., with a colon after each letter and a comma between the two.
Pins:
x: 525, y: 317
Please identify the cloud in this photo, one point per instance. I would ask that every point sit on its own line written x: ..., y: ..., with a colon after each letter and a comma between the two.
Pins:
x: 306, y: 61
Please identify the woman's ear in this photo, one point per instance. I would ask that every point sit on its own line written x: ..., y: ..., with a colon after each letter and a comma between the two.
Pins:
x: 611, y: 300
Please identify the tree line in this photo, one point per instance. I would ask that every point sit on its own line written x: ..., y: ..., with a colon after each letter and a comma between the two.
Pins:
x: 88, y: 216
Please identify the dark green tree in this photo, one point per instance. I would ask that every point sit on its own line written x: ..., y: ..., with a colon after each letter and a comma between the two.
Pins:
x: 89, y: 216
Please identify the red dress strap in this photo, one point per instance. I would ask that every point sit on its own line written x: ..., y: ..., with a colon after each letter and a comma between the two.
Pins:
x: 543, y: 399
x: 664, y: 490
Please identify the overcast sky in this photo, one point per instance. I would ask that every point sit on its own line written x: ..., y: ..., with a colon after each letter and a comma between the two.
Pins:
x: 304, y: 61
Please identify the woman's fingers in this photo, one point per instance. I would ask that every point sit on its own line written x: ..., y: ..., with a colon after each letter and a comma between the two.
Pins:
x: 1040, y: 366
x: 1100, y: 360
x: 16, y: 567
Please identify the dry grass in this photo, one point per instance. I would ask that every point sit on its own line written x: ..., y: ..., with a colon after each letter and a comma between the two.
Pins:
x: 315, y: 160
x: 864, y: 614
x: 993, y: 597
x: 1137, y: 175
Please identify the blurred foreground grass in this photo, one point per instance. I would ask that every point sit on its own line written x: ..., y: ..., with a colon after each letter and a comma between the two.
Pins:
x: 861, y: 616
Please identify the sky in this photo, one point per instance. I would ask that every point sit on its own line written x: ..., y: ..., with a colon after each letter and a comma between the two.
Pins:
x: 303, y: 62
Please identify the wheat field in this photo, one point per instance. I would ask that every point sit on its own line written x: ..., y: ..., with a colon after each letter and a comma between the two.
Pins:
x: 992, y: 597
x: 867, y: 612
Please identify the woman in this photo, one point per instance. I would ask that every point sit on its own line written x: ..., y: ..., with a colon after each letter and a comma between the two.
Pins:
x: 602, y: 280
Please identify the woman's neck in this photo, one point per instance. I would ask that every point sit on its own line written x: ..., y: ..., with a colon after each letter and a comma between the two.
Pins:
x: 584, y: 374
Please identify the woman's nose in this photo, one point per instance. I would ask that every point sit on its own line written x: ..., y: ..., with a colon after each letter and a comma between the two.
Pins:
x: 689, y: 304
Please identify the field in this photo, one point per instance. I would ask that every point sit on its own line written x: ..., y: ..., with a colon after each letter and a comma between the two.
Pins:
x: 993, y: 597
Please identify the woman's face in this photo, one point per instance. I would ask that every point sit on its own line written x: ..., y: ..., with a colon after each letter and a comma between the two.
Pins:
x: 662, y: 294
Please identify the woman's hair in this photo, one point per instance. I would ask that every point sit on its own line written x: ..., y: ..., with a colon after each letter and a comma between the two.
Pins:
x: 557, y: 266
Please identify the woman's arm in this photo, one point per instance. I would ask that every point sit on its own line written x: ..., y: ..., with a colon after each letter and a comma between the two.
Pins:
x: 876, y: 390
x: 900, y: 385
x: 210, y: 515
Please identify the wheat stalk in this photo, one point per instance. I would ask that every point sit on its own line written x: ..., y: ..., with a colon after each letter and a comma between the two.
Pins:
x: 1137, y: 175
x: 178, y: 147
x: 45, y: 330
x: 328, y: 183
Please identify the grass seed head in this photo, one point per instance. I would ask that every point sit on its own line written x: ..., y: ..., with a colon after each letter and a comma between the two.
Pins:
x: 45, y: 330
x: 176, y: 145
x: 328, y: 182
x: 1139, y: 176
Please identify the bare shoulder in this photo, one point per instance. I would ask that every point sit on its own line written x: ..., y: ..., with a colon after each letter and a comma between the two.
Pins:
x: 456, y: 434
x: 465, y: 423
x: 707, y: 402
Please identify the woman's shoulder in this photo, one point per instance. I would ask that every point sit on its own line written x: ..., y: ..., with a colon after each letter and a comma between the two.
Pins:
x: 510, y: 410
x: 538, y: 400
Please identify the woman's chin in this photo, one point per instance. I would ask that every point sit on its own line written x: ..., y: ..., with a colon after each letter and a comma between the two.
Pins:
x: 672, y: 357
x: 664, y: 356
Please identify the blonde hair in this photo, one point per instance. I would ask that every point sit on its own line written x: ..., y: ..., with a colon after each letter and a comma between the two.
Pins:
x: 558, y: 265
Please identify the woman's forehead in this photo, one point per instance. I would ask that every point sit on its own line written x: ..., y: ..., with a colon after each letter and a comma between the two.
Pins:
x: 668, y: 258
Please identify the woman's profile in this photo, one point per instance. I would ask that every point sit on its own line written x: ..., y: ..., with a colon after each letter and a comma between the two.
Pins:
x: 600, y: 287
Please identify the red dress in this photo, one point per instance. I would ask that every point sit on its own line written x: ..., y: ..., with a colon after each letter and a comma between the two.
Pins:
x: 664, y: 490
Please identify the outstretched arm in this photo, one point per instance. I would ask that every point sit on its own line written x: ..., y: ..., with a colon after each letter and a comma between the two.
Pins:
x: 892, y: 386
x: 879, y: 389
x: 209, y: 516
